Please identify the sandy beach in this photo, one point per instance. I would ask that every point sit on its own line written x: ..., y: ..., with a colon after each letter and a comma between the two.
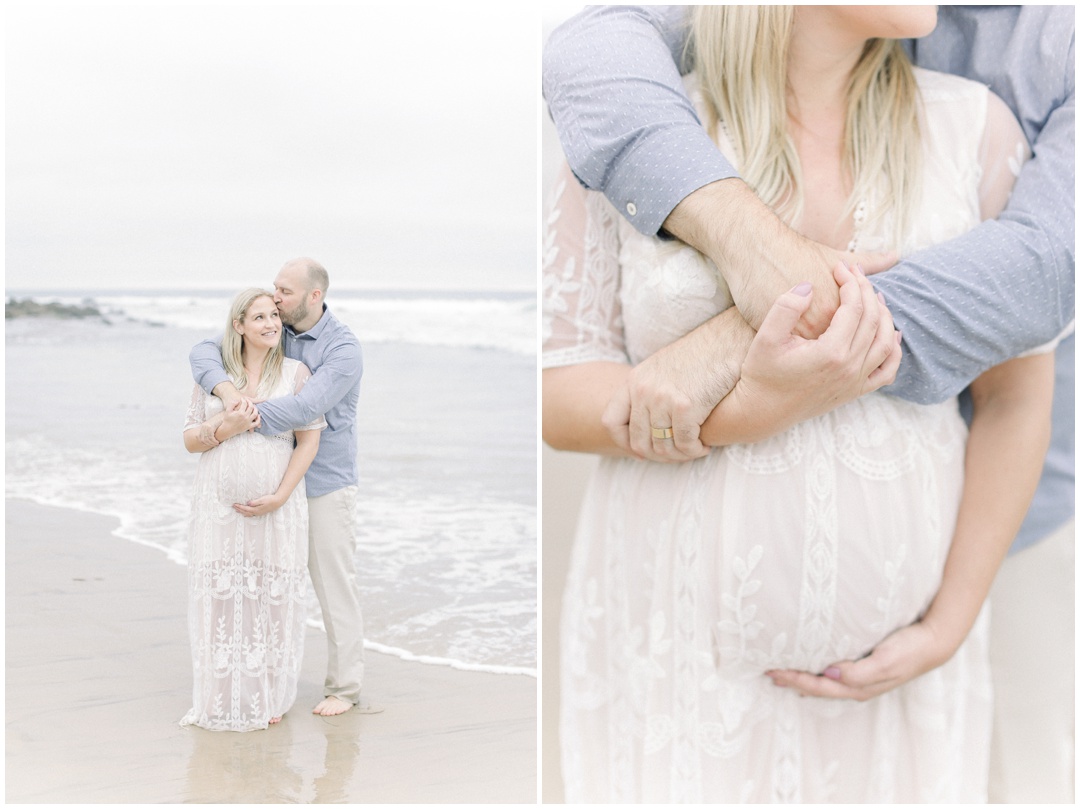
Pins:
x: 566, y: 475
x: 98, y: 675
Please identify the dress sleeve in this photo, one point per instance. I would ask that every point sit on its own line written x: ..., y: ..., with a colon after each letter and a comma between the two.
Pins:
x: 196, y: 412
x: 612, y: 85
x: 300, y: 377
x: 582, y: 316
x: 1002, y: 154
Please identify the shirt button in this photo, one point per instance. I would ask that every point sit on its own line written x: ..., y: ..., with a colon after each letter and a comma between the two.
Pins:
x: 631, y: 208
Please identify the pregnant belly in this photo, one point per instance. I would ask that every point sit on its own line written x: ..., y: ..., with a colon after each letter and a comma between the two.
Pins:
x: 246, y: 467
x: 794, y: 554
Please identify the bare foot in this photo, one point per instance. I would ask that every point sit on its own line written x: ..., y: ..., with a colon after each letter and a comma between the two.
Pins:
x: 274, y: 720
x: 332, y: 706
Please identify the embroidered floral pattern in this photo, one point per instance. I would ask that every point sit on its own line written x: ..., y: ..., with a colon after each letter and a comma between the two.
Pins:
x: 247, y: 576
x: 688, y: 581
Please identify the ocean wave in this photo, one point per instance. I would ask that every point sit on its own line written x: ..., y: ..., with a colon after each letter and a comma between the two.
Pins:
x: 494, y: 323
x: 442, y: 583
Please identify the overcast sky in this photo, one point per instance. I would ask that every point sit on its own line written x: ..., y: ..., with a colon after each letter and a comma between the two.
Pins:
x: 174, y: 146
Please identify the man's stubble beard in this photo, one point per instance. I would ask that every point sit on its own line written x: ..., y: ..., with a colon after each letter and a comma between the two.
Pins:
x: 295, y: 316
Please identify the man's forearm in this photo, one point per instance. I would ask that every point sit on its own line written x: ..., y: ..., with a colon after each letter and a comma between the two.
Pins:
x: 286, y: 413
x: 961, y: 315
x: 341, y: 370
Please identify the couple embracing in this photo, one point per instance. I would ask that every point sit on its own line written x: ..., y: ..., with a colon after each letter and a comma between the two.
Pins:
x: 273, y: 414
x: 768, y: 523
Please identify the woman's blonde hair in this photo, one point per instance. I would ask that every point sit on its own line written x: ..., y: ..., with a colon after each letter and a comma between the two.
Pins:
x: 232, y: 345
x: 740, y: 54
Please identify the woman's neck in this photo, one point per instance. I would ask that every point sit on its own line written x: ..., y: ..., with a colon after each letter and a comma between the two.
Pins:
x: 821, y: 57
x: 253, y: 363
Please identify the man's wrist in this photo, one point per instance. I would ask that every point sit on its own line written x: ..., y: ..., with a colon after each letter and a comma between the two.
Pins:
x: 719, y: 219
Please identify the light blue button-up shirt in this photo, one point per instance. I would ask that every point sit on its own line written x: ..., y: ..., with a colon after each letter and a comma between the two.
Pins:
x: 614, y: 91
x: 333, y: 355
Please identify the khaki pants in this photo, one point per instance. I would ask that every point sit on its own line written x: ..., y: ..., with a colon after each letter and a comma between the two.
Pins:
x: 1031, y: 655
x: 331, y: 562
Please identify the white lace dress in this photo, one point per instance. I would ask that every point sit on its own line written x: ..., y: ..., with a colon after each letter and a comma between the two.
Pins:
x: 688, y: 581
x: 247, y: 576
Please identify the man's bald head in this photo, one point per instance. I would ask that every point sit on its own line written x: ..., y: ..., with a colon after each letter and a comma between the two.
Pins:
x: 312, y: 273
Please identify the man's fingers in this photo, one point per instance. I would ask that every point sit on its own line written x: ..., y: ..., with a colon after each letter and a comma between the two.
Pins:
x: 641, y: 442
x: 779, y: 323
x: 616, y: 417
x: 875, y: 262
x: 687, y: 437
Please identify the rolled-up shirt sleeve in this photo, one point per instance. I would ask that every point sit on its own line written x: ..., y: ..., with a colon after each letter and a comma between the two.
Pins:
x: 206, y: 365
x: 626, y: 126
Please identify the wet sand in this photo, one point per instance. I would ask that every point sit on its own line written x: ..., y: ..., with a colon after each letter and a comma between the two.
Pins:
x: 566, y: 476
x: 98, y: 675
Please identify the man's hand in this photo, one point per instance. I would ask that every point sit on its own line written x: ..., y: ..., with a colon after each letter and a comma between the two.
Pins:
x: 259, y: 506
x: 906, y: 654
x: 787, y: 379
x: 761, y: 257
x: 678, y: 387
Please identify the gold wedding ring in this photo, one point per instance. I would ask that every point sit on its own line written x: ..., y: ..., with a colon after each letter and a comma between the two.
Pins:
x: 662, y: 432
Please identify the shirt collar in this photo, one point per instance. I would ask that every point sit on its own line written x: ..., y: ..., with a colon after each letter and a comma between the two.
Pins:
x: 316, y: 330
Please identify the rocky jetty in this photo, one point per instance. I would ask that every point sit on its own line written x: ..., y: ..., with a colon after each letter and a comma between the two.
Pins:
x: 27, y: 307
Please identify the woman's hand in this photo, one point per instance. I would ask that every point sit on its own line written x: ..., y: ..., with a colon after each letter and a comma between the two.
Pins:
x: 260, y: 505
x: 787, y: 379
x: 906, y: 654
x: 241, y: 416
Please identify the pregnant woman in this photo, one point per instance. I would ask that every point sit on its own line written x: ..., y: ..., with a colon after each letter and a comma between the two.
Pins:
x: 690, y: 581
x: 248, y: 533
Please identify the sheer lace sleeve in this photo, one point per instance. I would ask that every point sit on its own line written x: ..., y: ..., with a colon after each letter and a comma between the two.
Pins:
x: 300, y: 376
x: 1002, y: 153
x: 196, y: 412
x: 1003, y: 150
x: 582, y: 317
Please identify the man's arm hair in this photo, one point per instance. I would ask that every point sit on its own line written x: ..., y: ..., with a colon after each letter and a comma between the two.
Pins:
x: 614, y: 92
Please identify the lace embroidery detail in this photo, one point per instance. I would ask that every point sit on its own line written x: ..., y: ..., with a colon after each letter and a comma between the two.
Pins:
x: 247, y: 576
x: 689, y: 580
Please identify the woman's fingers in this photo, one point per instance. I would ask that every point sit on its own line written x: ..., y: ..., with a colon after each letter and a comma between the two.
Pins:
x: 846, y: 321
x: 867, y: 328
x: 885, y: 374
x: 860, y: 680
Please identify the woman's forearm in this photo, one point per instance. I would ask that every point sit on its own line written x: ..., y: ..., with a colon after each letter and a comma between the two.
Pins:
x: 207, y: 435
x: 1010, y: 433
x: 574, y: 399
